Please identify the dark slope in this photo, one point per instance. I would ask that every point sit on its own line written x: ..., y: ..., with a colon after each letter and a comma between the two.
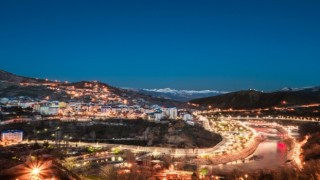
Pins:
x: 255, y: 99
x: 9, y: 77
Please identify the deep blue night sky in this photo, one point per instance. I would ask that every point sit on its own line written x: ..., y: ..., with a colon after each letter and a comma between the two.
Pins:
x: 221, y: 45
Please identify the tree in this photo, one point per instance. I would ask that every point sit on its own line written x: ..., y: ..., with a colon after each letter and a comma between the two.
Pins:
x: 167, y: 159
x: 46, y: 144
x: 194, y: 176
x: 93, y: 135
x: 204, y: 171
x: 108, y: 173
x: 36, y: 146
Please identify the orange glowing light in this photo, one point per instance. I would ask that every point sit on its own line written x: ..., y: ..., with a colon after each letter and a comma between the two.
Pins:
x: 36, y: 170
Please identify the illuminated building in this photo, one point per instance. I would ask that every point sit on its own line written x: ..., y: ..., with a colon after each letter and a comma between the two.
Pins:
x: 11, y: 136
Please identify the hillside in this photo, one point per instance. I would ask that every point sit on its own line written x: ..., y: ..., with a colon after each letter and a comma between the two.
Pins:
x: 255, y: 99
x: 12, y: 85
x: 9, y: 77
x: 125, y: 94
x: 8, y: 89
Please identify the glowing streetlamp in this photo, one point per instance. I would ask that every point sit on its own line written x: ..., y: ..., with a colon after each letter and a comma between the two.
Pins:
x: 35, y: 171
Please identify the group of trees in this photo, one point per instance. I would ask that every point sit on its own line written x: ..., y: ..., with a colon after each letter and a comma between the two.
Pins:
x: 311, y: 171
x: 311, y: 150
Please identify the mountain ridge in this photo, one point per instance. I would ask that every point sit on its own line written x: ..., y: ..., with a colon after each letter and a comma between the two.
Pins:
x: 12, y: 85
x: 249, y: 99
x: 10, y: 77
x: 178, y: 95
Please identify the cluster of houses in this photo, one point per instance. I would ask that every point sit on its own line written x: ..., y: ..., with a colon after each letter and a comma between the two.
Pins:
x: 86, y: 111
x: 86, y: 91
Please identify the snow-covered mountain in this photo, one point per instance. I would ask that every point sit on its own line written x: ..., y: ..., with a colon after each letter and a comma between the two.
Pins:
x: 187, y: 95
x: 310, y: 88
x: 179, y: 95
x: 175, y: 91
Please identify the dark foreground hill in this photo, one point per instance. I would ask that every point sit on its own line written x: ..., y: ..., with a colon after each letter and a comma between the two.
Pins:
x: 255, y: 99
x: 134, y: 132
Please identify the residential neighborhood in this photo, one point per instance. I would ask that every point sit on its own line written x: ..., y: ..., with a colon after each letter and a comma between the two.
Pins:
x: 90, y: 100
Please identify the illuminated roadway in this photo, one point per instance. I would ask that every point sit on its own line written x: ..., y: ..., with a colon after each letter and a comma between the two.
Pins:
x: 183, y: 152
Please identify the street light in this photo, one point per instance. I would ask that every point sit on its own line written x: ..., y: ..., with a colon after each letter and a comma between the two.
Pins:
x: 35, y: 171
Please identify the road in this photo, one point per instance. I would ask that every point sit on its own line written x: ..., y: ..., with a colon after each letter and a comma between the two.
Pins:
x: 270, y: 154
x: 176, y: 152
x: 274, y: 118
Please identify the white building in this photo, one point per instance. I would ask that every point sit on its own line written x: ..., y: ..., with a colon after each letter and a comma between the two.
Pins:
x: 158, y: 116
x: 4, y: 100
x: 155, y: 116
x: 171, y: 113
x: 187, y: 117
x: 190, y: 123
x: 49, y: 108
x: 26, y: 104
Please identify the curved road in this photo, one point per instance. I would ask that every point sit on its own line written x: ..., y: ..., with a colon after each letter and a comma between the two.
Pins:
x: 270, y: 154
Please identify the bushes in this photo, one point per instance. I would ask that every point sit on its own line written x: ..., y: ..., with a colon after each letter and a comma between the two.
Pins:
x: 309, y: 128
